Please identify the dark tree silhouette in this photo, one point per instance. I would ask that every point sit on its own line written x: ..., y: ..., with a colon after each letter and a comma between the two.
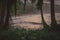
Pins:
x: 39, y: 6
x: 53, y: 20
x: 3, y: 6
x: 5, y: 13
x: 54, y: 26
x: 24, y: 4
x: 32, y: 3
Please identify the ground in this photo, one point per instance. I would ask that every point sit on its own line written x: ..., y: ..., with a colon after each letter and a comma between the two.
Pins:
x: 33, y: 21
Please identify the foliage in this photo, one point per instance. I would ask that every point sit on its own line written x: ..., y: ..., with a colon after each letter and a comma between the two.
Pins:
x: 23, y: 34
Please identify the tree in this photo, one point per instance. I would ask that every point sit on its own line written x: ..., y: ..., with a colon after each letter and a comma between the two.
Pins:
x: 53, y: 20
x: 24, y: 4
x: 54, y: 25
x: 5, y: 13
x: 39, y: 7
x: 32, y: 2
x: 3, y: 6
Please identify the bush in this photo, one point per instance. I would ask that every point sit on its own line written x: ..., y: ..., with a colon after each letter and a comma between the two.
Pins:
x: 23, y: 34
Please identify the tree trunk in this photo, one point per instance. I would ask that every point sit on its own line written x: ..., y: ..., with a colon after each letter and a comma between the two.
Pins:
x: 25, y: 4
x: 32, y: 7
x: 39, y: 7
x: 9, y: 5
x: 32, y: 4
x: 2, y: 14
x: 15, y: 7
x: 53, y: 20
x: 5, y: 6
x: 43, y: 21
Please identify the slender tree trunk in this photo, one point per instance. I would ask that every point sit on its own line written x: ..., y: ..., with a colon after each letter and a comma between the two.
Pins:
x: 53, y: 20
x: 39, y: 7
x: 32, y: 4
x: 42, y: 16
x: 43, y: 21
x: 54, y: 25
x: 2, y: 14
x: 25, y: 5
x: 32, y: 7
x: 5, y: 6
x: 15, y: 7
x: 9, y: 5
x: 0, y: 8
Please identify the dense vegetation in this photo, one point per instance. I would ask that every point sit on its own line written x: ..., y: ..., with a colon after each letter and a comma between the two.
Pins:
x: 23, y: 34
